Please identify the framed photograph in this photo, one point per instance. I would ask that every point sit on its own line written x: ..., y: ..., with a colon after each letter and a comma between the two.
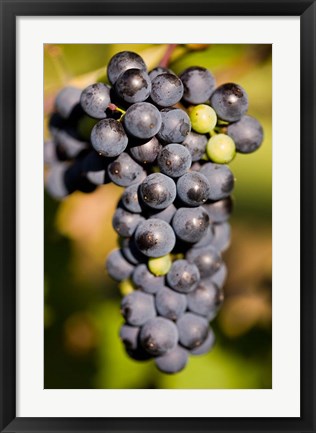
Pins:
x: 157, y: 216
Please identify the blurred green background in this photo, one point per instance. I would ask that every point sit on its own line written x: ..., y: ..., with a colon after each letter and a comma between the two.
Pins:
x: 82, y: 304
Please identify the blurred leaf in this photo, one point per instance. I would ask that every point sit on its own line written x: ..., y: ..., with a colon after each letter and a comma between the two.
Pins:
x: 243, y: 313
x: 250, y: 256
x: 87, y: 220
x: 216, y: 370
x: 79, y: 334
x: 82, y: 58
x: 214, y: 58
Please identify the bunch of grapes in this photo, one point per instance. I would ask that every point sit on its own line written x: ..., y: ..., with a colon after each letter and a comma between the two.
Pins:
x: 165, y: 139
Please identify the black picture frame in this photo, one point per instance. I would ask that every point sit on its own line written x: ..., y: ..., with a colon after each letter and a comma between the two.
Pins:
x: 306, y: 10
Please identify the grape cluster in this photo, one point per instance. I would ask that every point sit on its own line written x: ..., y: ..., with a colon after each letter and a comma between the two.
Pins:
x: 166, y: 139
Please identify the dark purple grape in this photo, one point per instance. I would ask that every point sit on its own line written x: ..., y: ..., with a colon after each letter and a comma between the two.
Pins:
x: 108, y: 137
x: 196, y: 166
x: 196, y: 145
x: 146, y: 153
x: 123, y: 61
x: 50, y: 153
x: 219, y: 211
x: 124, y: 171
x: 207, y: 259
x: 63, y: 177
x: 155, y: 238
x: 157, y: 191
x: 130, y: 199
x: 68, y: 145
x: 129, y: 336
x: 158, y: 71
x: 219, y: 301
x: 183, y: 276
x: 220, y: 276
x: 193, y: 188
x: 190, y: 224
x: 146, y: 281
x: 205, y: 298
x: 220, y: 178
x: 138, y: 354
x: 94, y: 167
x: 174, y: 160
x: 95, y: 99
x: 170, y: 304
x: 55, y: 181
x: 221, y: 238
x: 230, y: 101
x: 142, y: 120
x: 206, y: 346
x: 131, y: 252
x: 125, y: 223
x: 97, y: 177
x: 247, y: 134
x: 133, y: 85
x: 165, y: 214
x: 158, y: 336
x: 181, y: 247
x: 193, y: 330
x: 206, y: 240
x: 92, y: 161
x: 198, y: 84
x: 175, y: 125
x: 56, y: 122
x: 173, y: 361
x: 66, y: 100
x: 167, y: 90
x: 137, y: 308
x: 75, y: 180
x: 117, y: 266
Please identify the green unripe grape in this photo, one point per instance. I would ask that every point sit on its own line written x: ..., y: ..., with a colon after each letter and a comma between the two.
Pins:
x: 126, y: 287
x: 160, y: 266
x: 203, y: 118
x: 221, y: 149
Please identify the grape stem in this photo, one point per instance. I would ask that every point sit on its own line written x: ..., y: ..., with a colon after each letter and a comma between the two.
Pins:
x: 220, y: 129
x: 222, y: 122
x: 114, y: 107
x: 164, y: 63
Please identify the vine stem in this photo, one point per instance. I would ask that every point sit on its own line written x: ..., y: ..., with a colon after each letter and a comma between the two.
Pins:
x: 164, y: 63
